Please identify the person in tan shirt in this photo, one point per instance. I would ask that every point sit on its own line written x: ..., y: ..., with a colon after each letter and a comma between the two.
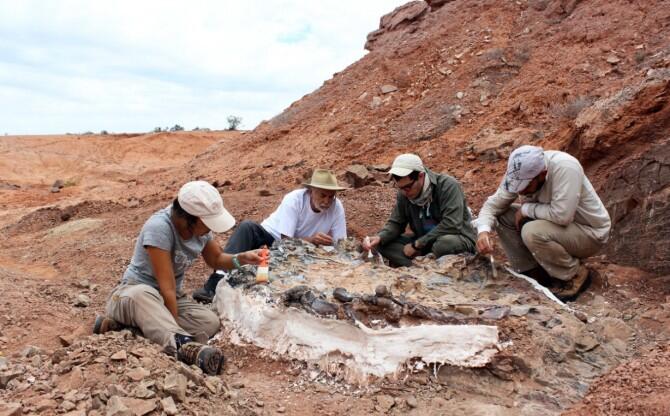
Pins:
x: 560, y: 219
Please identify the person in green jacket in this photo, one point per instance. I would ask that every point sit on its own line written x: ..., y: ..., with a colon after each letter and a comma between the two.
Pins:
x: 434, y: 207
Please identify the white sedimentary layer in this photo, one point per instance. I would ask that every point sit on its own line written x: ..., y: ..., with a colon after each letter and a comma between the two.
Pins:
x: 363, y: 351
x: 546, y: 292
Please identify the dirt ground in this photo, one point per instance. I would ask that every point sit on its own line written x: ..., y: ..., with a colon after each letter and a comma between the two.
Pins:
x: 58, y: 246
x: 458, y: 82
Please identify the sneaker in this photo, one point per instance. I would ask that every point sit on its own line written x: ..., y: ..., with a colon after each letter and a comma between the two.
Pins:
x: 569, y: 290
x: 210, y: 359
x: 104, y: 324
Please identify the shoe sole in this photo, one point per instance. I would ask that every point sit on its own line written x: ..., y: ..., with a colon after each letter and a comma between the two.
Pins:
x: 212, y: 361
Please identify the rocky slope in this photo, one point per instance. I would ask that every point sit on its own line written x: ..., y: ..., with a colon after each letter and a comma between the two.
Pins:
x: 463, y: 82
x: 459, y: 82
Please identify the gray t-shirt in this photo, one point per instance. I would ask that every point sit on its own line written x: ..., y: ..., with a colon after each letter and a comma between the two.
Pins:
x: 160, y: 232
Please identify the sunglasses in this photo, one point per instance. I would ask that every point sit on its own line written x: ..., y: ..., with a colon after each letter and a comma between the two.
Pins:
x: 407, y: 187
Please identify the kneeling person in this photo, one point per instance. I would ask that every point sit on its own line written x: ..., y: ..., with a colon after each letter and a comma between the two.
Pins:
x: 150, y: 295
x: 435, y: 208
x: 313, y: 214
x: 560, y: 221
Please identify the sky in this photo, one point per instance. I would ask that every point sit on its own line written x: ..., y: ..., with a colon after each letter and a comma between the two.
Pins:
x: 130, y: 66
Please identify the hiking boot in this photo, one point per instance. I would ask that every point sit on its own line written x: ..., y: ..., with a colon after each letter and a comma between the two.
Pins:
x: 569, y: 290
x: 104, y: 324
x: 209, y: 359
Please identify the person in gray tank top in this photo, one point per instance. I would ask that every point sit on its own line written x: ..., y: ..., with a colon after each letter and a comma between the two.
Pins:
x: 150, y: 296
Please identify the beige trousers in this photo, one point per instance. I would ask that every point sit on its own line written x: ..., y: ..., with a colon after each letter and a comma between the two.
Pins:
x: 558, y: 249
x: 142, y: 306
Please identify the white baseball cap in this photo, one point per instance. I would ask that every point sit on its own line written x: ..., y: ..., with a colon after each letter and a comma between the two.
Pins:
x: 405, y: 164
x: 202, y: 200
x: 524, y: 164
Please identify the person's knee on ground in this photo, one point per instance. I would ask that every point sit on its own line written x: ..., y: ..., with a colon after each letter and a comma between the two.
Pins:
x: 449, y: 244
x: 206, y: 321
x: 394, y: 255
x: 136, y: 297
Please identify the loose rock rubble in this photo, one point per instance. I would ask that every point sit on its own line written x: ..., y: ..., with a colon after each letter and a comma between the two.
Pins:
x: 503, y: 58
x: 112, y: 374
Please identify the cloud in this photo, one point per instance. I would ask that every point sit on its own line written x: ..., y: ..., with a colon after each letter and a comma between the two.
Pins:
x: 69, y: 66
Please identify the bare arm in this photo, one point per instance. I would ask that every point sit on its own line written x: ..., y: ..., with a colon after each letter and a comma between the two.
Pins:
x: 167, y: 286
x: 316, y: 239
x: 217, y: 259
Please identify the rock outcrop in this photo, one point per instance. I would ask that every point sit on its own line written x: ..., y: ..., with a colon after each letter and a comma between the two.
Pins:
x: 625, y: 140
x: 400, y: 18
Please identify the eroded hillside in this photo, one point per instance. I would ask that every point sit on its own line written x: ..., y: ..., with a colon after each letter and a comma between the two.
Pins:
x: 459, y: 82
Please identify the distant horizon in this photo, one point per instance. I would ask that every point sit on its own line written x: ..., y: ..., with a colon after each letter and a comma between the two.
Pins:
x: 93, y: 66
x: 138, y: 133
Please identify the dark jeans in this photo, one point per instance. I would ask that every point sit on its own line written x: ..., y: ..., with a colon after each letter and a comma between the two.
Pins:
x: 248, y: 236
x: 445, y: 244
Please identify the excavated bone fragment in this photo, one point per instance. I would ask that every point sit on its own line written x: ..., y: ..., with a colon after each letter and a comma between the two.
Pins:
x: 329, y: 308
x: 382, y: 291
x: 342, y: 295
x: 361, y: 351
x: 304, y: 297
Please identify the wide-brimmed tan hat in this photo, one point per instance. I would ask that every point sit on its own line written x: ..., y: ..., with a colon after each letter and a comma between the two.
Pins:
x: 324, y: 179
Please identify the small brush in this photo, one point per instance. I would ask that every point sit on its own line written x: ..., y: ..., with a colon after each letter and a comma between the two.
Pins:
x: 366, y: 241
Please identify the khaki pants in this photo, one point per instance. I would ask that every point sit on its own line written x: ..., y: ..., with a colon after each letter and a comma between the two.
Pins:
x: 558, y: 249
x: 142, y: 306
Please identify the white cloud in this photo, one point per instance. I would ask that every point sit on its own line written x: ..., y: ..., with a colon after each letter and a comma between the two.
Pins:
x: 72, y: 66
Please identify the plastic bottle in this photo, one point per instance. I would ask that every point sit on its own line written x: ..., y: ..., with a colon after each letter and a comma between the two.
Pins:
x: 263, y: 270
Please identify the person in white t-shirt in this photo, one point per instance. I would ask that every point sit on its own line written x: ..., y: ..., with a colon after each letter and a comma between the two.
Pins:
x: 312, y: 213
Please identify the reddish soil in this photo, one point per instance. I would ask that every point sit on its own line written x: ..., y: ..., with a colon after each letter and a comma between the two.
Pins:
x: 639, y: 387
x: 592, y: 78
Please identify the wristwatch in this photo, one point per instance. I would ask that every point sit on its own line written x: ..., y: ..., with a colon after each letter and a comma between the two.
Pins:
x: 236, y: 262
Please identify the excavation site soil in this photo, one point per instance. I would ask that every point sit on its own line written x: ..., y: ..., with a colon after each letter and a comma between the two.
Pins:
x: 460, y: 83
